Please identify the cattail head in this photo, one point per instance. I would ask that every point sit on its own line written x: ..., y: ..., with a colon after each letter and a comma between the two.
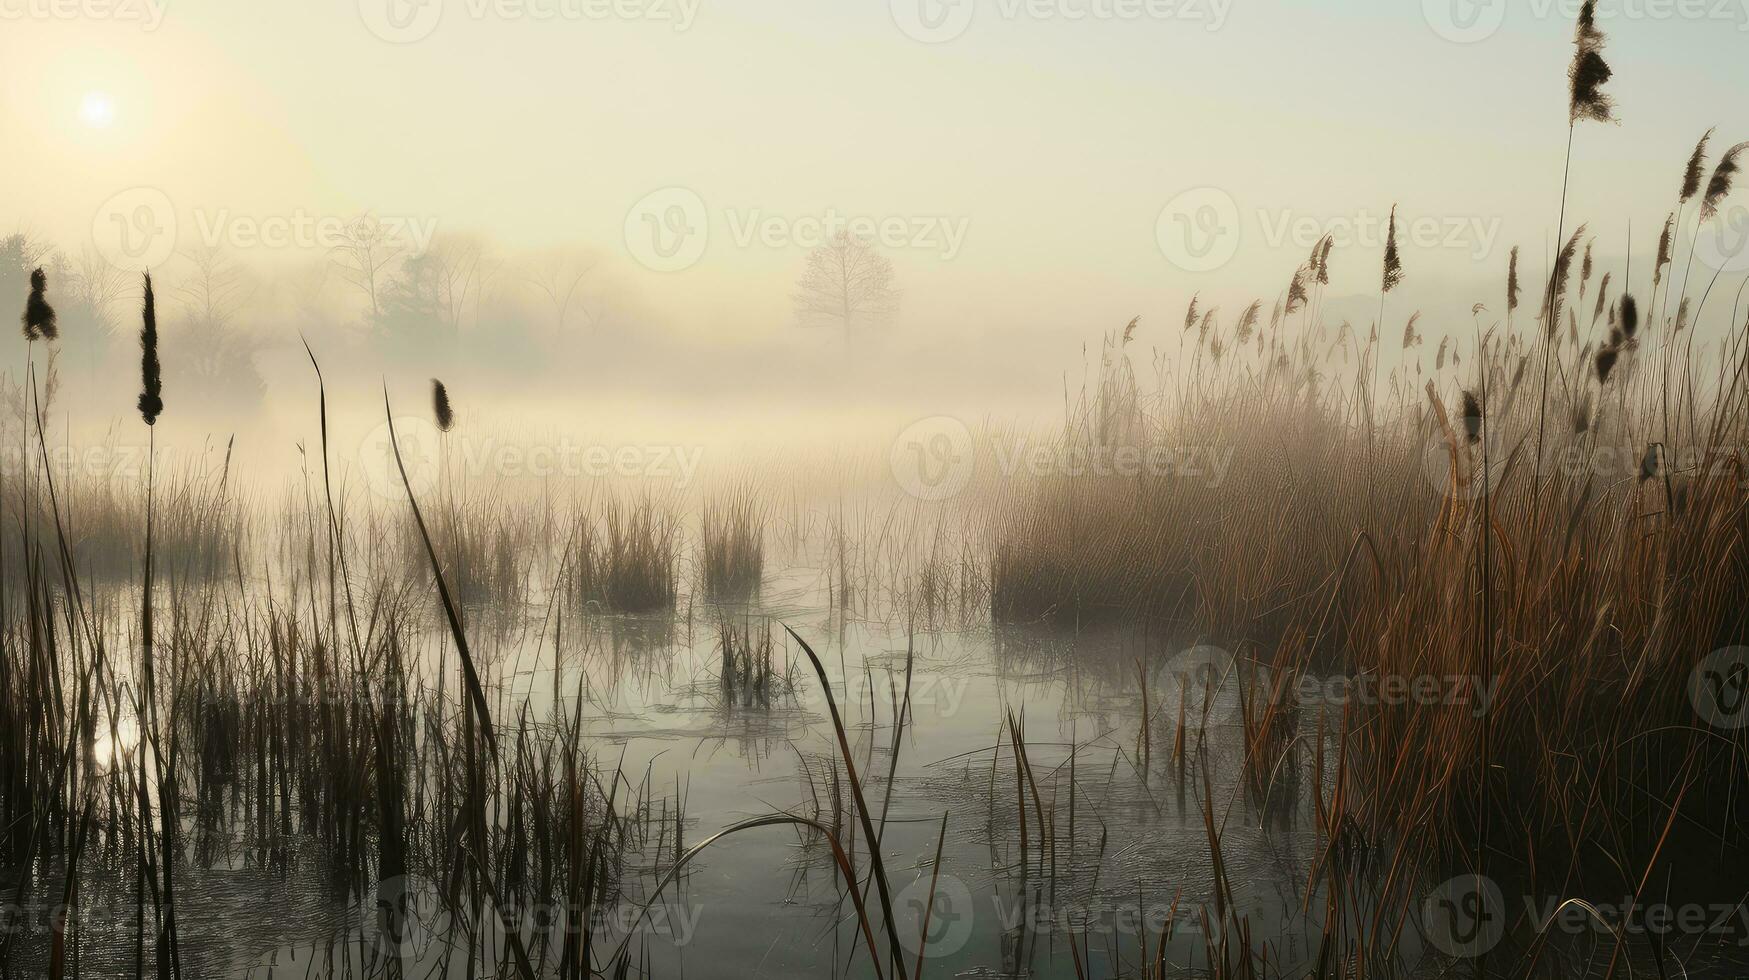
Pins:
x: 1512, y: 281
x: 1585, y: 266
x: 446, y: 417
x: 1720, y: 185
x: 1190, y: 314
x: 1589, y: 71
x: 1653, y: 463
x: 1606, y: 359
x: 1681, y: 316
x: 151, y: 383
x: 1439, y: 358
x: 1472, y: 416
x: 1695, y: 169
x: 1630, y: 316
x: 39, y: 316
x: 1393, y: 261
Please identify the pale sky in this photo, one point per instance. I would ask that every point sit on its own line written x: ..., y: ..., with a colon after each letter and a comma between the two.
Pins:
x: 1028, y: 158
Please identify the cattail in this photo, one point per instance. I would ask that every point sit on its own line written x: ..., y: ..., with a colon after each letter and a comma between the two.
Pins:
x: 1248, y: 320
x: 1557, y: 288
x: 1296, y: 290
x: 39, y: 316
x: 1630, y: 316
x: 1720, y: 185
x: 1606, y: 363
x: 1512, y: 282
x: 1393, y: 262
x: 1439, y: 359
x: 151, y: 384
x: 1190, y: 314
x: 1602, y: 297
x: 1472, y: 416
x: 446, y: 416
x: 1589, y: 71
x: 1681, y: 316
x: 1585, y: 266
x: 1696, y: 168
x: 1663, y: 250
x: 1653, y: 463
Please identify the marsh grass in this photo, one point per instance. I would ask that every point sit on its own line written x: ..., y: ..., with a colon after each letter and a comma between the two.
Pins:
x: 732, y: 546
x: 624, y: 557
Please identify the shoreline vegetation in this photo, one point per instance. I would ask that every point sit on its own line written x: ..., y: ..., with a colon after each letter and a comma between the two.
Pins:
x: 183, y: 686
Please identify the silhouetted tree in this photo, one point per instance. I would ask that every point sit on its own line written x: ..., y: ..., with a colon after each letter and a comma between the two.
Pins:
x: 846, y: 284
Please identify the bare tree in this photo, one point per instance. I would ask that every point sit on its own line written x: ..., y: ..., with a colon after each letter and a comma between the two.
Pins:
x: 846, y: 284
x: 215, y: 289
x: 559, y: 277
x: 99, y: 285
x: 460, y: 268
x: 209, y: 349
x: 367, y: 248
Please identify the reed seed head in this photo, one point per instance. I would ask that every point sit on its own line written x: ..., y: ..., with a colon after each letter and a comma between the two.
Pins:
x: 1720, y: 185
x: 1393, y: 261
x: 440, y: 406
x: 39, y: 316
x: 1696, y: 168
x: 1589, y: 71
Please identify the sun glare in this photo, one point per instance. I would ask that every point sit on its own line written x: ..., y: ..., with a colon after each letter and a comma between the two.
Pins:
x: 97, y: 110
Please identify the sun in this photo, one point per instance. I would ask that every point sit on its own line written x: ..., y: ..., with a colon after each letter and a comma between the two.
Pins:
x: 97, y: 110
